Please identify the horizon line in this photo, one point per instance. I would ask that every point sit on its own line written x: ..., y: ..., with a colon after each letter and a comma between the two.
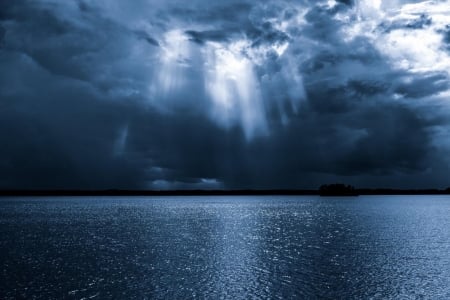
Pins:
x: 216, y: 192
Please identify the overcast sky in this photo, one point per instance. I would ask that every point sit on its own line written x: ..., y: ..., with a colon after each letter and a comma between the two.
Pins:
x: 168, y: 94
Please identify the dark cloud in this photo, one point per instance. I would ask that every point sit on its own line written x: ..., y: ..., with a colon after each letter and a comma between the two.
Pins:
x: 146, y: 37
x: 446, y: 38
x: 232, y: 15
x: 422, y: 86
x: 447, y: 34
x: 103, y: 95
x: 321, y: 25
x: 419, y: 22
x: 2, y: 35
x: 346, y: 2
x: 59, y: 136
x: 63, y: 47
x: 208, y: 35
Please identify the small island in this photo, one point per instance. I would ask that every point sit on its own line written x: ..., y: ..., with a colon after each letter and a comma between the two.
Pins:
x: 337, y: 189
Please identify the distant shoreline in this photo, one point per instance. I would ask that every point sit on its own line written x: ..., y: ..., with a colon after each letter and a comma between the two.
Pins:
x: 272, y: 192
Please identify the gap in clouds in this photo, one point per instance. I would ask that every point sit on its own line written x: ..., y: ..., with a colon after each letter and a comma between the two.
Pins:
x: 228, y: 70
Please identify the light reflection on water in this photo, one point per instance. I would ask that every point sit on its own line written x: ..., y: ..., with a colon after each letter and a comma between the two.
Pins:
x: 225, y: 247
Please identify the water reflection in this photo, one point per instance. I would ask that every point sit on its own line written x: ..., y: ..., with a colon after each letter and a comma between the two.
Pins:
x: 236, y: 247
x: 225, y: 247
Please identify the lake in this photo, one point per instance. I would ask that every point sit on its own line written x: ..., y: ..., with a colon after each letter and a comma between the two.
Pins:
x: 231, y: 247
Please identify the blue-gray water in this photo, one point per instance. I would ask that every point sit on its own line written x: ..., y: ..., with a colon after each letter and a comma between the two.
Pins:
x: 225, y: 247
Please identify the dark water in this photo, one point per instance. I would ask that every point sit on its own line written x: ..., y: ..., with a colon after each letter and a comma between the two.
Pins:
x: 225, y: 247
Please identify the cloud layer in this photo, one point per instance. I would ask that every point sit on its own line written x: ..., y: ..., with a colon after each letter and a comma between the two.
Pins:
x: 228, y: 94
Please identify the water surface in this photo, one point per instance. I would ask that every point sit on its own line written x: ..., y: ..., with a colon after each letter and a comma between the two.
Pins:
x: 277, y: 247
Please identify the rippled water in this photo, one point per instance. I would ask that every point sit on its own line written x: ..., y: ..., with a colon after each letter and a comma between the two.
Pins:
x: 225, y: 247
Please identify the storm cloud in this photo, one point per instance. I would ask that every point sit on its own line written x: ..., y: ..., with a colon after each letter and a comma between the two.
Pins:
x: 226, y: 94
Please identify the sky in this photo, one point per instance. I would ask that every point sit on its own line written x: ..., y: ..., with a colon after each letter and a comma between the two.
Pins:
x: 169, y: 94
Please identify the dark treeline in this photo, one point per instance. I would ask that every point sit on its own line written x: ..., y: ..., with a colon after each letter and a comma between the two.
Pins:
x: 324, y: 190
x: 113, y: 192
